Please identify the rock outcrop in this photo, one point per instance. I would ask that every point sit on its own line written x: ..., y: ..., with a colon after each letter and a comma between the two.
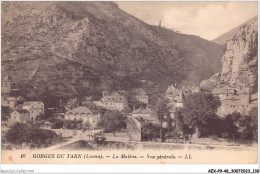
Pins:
x: 237, y: 86
x: 239, y: 63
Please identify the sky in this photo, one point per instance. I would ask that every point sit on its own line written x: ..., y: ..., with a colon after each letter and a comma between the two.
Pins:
x: 205, y: 19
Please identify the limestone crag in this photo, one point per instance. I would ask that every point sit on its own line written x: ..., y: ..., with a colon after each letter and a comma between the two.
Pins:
x: 239, y: 63
x: 237, y: 84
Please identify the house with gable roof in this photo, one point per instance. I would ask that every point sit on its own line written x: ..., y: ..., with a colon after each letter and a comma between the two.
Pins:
x: 19, y: 116
x: 232, y: 99
x: 35, y: 109
x: 147, y: 114
x: 113, y: 101
x: 11, y: 102
x: 84, y: 114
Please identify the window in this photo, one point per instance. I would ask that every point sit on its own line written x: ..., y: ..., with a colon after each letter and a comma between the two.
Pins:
x: 108, y: 98
x: 120, y: 98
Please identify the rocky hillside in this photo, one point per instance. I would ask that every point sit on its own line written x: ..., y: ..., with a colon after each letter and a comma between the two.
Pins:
x: 222, y: 40
x: 237, y: 84
x: 239, y: 63
x: 74, y: 47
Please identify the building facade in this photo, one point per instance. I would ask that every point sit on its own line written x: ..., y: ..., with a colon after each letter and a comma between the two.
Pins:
x: 232, y: 100
x: 146, y: 113
x: 35, y: 108
x: 113, y: 101
x: 6, y: 85
x: 10, y: 101
x: 19, y: 116
x: 82, y: 113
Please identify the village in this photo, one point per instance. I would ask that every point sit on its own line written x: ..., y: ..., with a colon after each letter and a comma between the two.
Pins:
x: 109, y: 119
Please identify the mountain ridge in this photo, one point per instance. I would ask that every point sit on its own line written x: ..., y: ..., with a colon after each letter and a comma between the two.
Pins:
x: 71, y: 45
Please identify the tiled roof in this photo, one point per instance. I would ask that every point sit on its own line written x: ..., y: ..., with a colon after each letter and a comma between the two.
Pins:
x: 143, y: 111
x: 22, y: 111
x: 28, y: 103
x: 10, y: 98
x: 81, y: 110
x: 114, y: 98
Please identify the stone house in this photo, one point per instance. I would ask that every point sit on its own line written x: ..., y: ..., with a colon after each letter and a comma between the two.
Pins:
x: 19, y: 116
x: 11, y: 102
x: 82, y: 113
x: 6, y: 85
x: 36, y: 108
x: 232, y: 100
x: 113, y: 101
x: 134, y: 123
x: 147, y: 114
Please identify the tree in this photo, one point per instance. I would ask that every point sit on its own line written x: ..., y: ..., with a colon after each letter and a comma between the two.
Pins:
x: 25, y: 133
x: 134, y: 102
x: 199, y: 109
x: 113, y: 121
x: 160, y: 104
x: 149, y: 130
x: 231, y: 128
x: 5, y: 112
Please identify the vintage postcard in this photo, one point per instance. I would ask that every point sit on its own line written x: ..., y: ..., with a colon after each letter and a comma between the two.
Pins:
x: 158, y: 82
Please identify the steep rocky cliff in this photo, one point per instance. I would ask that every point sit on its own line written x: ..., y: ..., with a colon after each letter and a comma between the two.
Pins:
x: 237, y: 84
x: 71, y: 47
x: 239, y: 63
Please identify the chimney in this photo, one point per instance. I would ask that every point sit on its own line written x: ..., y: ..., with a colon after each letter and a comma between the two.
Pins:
x: 133, y: 107
x: 103, y: 93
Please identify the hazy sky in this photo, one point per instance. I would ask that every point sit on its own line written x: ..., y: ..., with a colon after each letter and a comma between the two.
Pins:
x: 205, y: 19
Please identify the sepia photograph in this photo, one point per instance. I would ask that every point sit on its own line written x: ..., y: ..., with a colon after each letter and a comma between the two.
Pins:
x: 129, y: 82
